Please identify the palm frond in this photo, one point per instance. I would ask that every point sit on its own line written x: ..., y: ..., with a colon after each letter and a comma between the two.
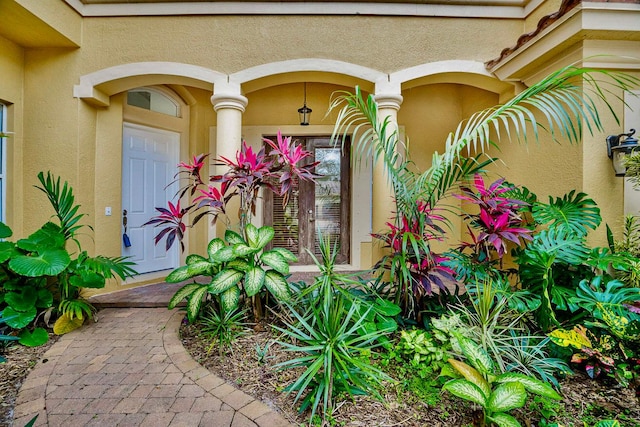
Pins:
x: 108, y: 266
x: 63, y: 202
x: 566, y: 99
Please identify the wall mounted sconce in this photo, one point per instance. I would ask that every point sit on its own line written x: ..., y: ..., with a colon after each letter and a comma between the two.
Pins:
x: 304, y: 111
x: 618, y: 148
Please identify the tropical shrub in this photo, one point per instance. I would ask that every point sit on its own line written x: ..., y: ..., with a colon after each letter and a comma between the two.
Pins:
x: 328, y: 333
x: 236, y: 266
x: 498, y: 222
x: 496, y: 394
x: 502, y: 332
x: 38, y: 271
x: 553, y: 261
x: 418, y: 194
x: 250, y: 172
x: 608, y: 340
x: 600, y: 355
x: 412, y: 265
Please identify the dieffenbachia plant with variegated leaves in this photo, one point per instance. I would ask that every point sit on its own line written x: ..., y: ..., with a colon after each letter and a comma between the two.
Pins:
x: 234, y: 265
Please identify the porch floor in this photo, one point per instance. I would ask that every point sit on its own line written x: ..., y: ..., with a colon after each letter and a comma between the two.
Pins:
x: 159, y: 294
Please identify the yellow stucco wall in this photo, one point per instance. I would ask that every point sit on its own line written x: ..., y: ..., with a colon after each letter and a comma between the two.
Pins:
x: 232, y: 43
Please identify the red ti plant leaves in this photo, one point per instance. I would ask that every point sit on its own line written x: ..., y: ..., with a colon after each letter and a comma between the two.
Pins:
x: 245, y: 175
x: 171, y: 222
x: 498, y: 221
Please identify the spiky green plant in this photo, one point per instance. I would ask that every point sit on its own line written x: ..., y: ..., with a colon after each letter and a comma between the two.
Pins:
x: 328, y: 334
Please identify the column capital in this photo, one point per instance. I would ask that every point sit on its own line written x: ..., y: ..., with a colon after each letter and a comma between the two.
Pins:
x: 229, y: 101
x: 388, y: 100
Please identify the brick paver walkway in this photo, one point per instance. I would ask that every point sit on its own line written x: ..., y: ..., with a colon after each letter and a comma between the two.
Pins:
x: 130, y: 369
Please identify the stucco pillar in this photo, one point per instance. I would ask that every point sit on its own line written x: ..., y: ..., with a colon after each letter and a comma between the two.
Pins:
x: 382, y: 191
x: 229, y: 108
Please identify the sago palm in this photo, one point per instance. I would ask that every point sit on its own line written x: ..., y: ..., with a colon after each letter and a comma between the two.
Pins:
x: 562, y: 104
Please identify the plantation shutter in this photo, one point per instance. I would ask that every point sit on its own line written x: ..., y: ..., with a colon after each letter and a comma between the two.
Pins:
x: 285, y: 221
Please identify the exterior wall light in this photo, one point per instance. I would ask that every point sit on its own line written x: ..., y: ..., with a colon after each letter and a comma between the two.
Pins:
x: 618, y: 148
x: 304, y: 111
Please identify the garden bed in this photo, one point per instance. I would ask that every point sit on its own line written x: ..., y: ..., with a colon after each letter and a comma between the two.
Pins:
x: 584, y: 400
x: 20, y: 361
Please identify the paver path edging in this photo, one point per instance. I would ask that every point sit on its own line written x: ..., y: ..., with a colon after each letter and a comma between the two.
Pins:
x: 130, y: 369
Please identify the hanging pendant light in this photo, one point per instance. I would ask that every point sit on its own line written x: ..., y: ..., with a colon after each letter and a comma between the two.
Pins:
x: 304, y: 111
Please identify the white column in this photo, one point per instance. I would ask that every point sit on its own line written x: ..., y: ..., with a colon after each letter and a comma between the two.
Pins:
x: 229, y: 108
x: 229, y: 105
x: 382, y: 191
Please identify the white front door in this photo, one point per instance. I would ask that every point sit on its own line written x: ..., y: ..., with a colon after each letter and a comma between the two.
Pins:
x: 149, y: 159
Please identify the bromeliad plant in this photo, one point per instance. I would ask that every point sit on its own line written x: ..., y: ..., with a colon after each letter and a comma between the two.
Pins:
x: 562, y: 102
x: 477, y: 382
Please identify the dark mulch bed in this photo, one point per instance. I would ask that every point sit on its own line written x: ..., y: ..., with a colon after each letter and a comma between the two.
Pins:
x: 20, y: 361
x: 584, y: 400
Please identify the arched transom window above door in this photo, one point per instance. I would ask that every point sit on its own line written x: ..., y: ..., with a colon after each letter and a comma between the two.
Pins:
x: 153, y: 100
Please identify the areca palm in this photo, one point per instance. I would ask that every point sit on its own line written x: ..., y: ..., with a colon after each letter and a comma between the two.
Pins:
x: 562, y: 104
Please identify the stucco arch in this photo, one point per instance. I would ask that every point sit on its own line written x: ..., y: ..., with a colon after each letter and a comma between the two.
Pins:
x: 471, y: 73
x: 305, y: 69
x: 97, y: 87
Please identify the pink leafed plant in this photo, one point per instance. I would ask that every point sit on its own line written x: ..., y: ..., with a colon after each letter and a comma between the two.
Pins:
x: 246, y: 175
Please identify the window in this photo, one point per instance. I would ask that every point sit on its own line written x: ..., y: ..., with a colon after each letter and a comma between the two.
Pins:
x: 153, y: 100
x: 3, y: 162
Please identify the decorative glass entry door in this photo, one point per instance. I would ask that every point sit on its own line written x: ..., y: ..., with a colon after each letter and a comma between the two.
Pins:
x: 315, y: 210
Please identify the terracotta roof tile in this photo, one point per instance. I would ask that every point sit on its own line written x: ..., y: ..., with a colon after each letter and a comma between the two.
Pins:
x: 544, y: 22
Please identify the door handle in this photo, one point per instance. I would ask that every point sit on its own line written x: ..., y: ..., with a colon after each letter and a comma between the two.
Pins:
x: 125, y: 236
x: 311, y: 218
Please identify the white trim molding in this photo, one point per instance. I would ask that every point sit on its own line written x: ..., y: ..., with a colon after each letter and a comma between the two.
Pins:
x: 97, y: 87
x: 307, y: 64
x: 504, y: 9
